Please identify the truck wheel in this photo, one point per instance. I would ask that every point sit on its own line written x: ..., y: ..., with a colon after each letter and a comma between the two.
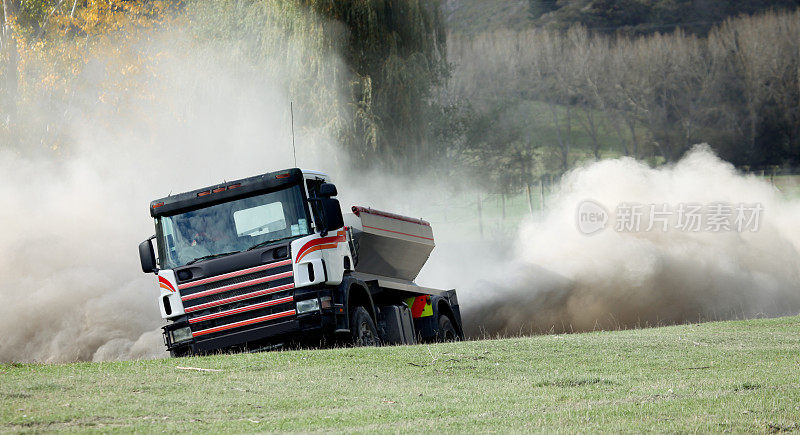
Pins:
x: 446, y: 330
x: 363, y: 328
x: 179, y: 352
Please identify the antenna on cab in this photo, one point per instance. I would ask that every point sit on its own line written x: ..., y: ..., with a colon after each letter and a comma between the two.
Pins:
x: 294, y: 150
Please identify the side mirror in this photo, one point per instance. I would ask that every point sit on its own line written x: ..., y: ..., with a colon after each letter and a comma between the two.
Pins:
x: 147, y: 256
x: 331, y: 214
x: 327, y: 190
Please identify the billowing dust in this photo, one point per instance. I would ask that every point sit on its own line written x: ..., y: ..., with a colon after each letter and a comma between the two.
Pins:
x: 556, y: 278
x: 72, y: 289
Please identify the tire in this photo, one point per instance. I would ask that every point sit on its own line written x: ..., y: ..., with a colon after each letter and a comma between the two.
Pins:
x: 362, y: 328
x: 446, y: 331
x: 179, y: 352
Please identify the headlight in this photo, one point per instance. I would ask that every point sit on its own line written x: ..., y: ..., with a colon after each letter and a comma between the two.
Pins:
x: 181, y: 334
x: 307, y: 305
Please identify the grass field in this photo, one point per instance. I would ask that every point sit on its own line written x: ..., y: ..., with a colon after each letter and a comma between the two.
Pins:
x: 739, y: 376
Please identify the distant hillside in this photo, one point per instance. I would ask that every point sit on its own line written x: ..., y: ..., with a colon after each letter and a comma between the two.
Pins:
x: 476, y: 16
x: 628, y: 16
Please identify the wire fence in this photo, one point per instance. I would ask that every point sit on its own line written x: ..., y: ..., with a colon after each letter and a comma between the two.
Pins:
x: 479, y: 216
x: 487, y: 216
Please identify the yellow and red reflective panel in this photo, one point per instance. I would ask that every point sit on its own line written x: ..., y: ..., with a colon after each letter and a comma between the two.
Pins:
x: 420, y: 306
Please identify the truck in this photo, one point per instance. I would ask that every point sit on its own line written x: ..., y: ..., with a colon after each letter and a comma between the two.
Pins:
x: 271, y: 261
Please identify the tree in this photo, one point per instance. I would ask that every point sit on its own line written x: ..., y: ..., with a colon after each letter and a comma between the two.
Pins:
x: 8, y: 65
x: 537, y: 8
x: 394, y: 57
x: 397, y: 50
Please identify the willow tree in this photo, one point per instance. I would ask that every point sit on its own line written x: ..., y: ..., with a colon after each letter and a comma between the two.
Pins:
x: 396, y: 51
x: 8, y: 67
x: 385, y: 56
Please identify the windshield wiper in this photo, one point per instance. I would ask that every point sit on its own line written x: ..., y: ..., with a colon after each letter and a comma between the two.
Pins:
x: 258, y: 245
x: 208, y: 257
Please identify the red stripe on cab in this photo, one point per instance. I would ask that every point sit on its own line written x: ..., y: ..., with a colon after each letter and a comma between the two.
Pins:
x: 244, y: 323
x: 234, y: 274
x: 239, y: 298
x: 164, y: 283
x: 236, y: 286
x: 321, y: 243
x: 241, y: 310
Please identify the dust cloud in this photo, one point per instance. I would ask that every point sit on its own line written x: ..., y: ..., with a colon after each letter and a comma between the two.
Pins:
x: 558, y: 279
x: 69, y: 274
x: 71, y: 285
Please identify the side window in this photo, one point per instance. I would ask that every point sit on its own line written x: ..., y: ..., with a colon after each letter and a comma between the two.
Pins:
x: 168, y: 252
x: 313, y: 190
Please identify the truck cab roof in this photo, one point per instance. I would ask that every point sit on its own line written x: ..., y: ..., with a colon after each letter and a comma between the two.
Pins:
x: 231, y: 190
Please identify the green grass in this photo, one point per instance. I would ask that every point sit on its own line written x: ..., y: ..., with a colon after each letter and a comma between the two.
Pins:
x: 738, y: 376
x: 788, y: 185
x: 541, y: 127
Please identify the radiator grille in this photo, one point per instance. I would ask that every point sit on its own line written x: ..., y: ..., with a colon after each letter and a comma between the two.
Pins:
x: 235, y: 300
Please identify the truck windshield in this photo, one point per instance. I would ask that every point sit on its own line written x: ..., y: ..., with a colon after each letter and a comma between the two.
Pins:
x: 231, y: 227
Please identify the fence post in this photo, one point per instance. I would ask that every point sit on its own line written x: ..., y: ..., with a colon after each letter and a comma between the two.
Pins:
x: 503, y: 202
x: 480, y: 216
x: 528, y: 195
x: 541, y: 194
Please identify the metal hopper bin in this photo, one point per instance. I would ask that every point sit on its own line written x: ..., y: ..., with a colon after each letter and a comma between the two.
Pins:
x: 388, y: 244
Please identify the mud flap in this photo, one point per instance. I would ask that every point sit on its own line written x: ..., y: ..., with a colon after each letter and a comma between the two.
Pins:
x: 395, y: 325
